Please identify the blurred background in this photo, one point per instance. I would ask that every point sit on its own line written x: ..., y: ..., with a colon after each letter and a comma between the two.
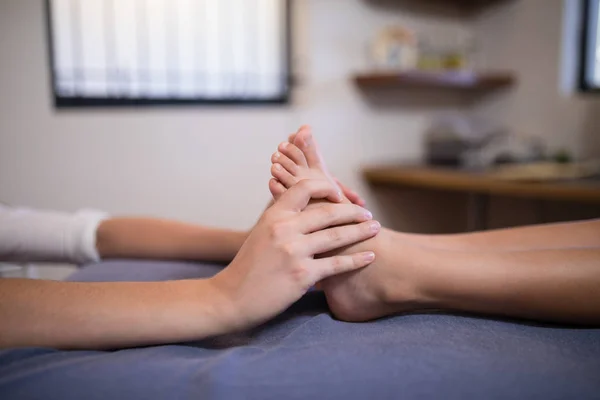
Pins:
x: 447, y: 116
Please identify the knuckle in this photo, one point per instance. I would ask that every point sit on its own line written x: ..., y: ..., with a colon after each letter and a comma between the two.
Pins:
x: 268, y: 217
x: 328, y: 212
x: 300, y: 274
x: 279, y: 229
x: 334, y: 235
x: 336, y: 263
x: 289, y: 249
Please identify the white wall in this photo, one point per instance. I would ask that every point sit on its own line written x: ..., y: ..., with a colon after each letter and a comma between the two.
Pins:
x: 526, y: 36
x: 211, y: 165
x: 206, y: 165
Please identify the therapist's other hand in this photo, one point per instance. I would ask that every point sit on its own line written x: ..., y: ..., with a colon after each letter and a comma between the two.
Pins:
x: 276, y: 264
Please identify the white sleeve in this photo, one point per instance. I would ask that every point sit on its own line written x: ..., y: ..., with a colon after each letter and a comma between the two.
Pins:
x: 29, y: 235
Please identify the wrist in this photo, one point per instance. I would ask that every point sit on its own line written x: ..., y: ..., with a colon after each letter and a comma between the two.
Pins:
x: 236, y: 310
x: 217, y: 306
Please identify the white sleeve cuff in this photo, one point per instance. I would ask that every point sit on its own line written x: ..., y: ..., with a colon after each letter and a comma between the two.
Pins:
x: 28, y: 235
x: 81, y: 246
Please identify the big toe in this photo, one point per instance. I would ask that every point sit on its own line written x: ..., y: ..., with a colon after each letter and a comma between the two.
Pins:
x: 306, y: 142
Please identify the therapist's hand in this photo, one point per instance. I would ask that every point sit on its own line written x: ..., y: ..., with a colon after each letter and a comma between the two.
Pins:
x: 276, y: 264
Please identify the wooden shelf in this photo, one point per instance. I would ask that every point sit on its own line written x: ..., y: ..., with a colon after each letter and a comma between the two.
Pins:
x: 459, y: 81
x: 467, y: 7
x: 473, y: 5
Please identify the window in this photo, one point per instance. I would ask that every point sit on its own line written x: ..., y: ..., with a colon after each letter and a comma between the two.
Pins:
x: 589, y: 77
x: 138, y: 52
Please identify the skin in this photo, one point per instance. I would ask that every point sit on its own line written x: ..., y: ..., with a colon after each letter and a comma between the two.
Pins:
x: 148, y: 238
x: 584, y: 234
x: 274, y: 267
x: 549, y: 273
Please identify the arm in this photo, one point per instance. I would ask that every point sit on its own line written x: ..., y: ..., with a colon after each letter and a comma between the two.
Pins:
x: 32, y: 235
x: 76, y: 315
x: 549, y: 236
x: 164, y: 239
x: 273, y: 269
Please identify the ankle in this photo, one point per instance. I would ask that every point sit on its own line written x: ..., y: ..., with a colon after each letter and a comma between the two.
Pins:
x: 408, y: 288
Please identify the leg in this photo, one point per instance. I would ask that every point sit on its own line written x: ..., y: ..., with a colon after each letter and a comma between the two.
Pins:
x: 418, y: 272
x: 538, y: 237
x: 558, y: 285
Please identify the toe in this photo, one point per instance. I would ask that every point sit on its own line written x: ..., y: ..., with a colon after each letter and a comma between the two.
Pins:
x: 288, y: 180
x: 292, y: 137
x: 276, y: 188
x: 294, y: 153
x: 285, y: 162
x: 307, y: 144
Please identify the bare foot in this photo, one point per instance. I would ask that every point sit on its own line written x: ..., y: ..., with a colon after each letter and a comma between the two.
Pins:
x: 386, y: 286
x: 296, y: 161
x: 349, y: 193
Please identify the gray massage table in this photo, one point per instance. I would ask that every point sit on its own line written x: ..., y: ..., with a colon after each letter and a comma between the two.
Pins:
x: 306, y: 354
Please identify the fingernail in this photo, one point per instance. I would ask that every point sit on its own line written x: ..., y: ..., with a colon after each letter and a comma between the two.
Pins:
x: 374, y: 226
x: 369, y: 256
x: 368, y: 215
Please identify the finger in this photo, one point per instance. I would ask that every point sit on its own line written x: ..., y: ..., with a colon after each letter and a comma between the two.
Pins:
x: 341, y: 236
x: 285, y: 162
x: 354, y: 198
x: 294, y: 153
x: 276, y: 189
x: 297, y: 197
x: 278, y: 172
x: 328, y: 215
x: 326, y: 267
x: 351, y: 194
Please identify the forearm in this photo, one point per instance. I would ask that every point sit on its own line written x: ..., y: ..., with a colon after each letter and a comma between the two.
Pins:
x: 550, y: 236
x: 550, y: 285
x: 163, y: 239
x: 76, y: 315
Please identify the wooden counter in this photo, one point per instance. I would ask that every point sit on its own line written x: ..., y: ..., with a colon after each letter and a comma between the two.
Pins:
x: 587, y: 191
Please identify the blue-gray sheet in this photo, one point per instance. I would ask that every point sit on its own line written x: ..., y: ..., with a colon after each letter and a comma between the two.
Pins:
x: 307, y: 354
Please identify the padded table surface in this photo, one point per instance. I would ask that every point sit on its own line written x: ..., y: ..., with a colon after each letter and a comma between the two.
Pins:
x: 305, y: 353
